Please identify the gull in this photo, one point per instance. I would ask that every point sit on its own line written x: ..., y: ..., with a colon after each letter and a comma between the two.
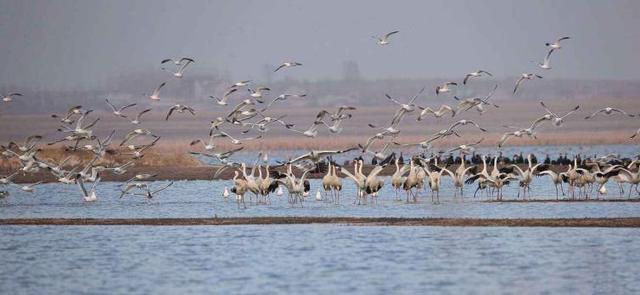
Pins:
x: 177, y: 61
x: 101, y: 148
x: 384, y: 40
x: 216, y: 123
x: 437, y: 113
x: 5, y: 180
x: 545, y: 63
x: 74, y: 110
x: 556, y: 119
x: 556, y: 45
x: 180, y: 73
x: 118, y: 111
x: 517, y: 133
x: 9, y: 97
x: 380, y: 155
x: 130, y: 186
x: 374, y: 138
x: 282, y: 97
x: 262, y: 124
x: 180, y: 108
x: 136, y: 121
x: 312, y: 131
x: 149, y: 193
x: 223, y: 100
x: 466, y: 148
x: 608, y: 111
x: 316, y: 155
x: 30, y: 187
x: 477, y: 102
x: 88, y: 196
x: 465, y: 122
x: 208, y: 146
x: 477, y: 73
x: 155, y: 95
x: 335, y: 128
x: 141, y: 177
x: 219, y: 156
x: 240, y: 84
x: 135, y: 133
x: 235, y: 140
x: 138, y: 151
x: 525, y: 76
x: 29, y: 143
x: 445, y: 87
x: 288, y: 64
x: 341, y: 114
x: 404, y: 107
x: 119, y: 170
x: 257, y: 93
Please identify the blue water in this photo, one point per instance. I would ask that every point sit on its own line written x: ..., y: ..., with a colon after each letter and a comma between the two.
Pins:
x: 204, y: 199
x: 318, y: 259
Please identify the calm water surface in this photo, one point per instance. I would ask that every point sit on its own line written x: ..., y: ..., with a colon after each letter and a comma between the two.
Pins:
x: 204, y: 199
x: 318, y: 259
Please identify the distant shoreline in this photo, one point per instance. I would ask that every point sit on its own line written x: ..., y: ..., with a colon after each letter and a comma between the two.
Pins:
x: 631, y: 222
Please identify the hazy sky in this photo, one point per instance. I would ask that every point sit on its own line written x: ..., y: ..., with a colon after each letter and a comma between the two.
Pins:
x: 64, y: 44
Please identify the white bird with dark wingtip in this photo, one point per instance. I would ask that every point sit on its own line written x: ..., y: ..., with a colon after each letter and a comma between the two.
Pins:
x: 477, y: 73
x: 155, y: 95
x: 9, y: 97
x: 556, y: 44
x: 608, y: 111
x: 180, y: 72
x: 384, y: 40
x: 118, y: 111
x: 177, y: 61
x: 545, y: 64
x: 525, y: 76
x: 445, y: 87
x: 136, y: 121
x: 287, y: 64
x: 555, y: 118
x: 180, y: 108
x: 436, y: 113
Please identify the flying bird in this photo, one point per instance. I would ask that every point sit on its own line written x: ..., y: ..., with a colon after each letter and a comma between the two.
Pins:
x: 288, y: 64
x: 155, y: 95
x: 118, y: 111
x: 9, y: 97
x: 608, y: 111
x: 523, y: 77
x: 477, y: 73
x: 384, y: 40
x: 556, y: 44
x: 180, y: 108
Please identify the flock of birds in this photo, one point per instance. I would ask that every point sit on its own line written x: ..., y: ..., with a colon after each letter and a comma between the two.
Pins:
x: 76, y: 129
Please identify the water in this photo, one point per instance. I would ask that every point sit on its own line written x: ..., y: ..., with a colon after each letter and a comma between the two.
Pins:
x: 204, y: 199
x: 318, y: 259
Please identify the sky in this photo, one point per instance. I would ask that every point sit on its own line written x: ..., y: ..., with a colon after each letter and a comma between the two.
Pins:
x: 64, y: 44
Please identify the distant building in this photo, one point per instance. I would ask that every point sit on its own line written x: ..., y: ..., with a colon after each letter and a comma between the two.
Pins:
x: 351, y: 71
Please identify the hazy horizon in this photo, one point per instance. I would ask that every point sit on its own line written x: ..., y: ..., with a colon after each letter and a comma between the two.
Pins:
x: 64, y: 45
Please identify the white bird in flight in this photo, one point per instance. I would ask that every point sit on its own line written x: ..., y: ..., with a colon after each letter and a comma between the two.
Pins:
x: 9, y: 97
x: 118, y: 111
x: 384, y: 40
x: 556, y: 44
x: 155, y: 95
x: 288, y: 64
